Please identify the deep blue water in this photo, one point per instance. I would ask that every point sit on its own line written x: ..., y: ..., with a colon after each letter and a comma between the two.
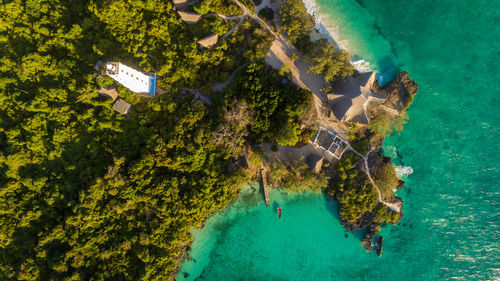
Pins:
x: 451, y: 228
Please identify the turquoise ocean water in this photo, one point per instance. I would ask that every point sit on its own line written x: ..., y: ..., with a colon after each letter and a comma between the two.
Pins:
x: 451, y: 228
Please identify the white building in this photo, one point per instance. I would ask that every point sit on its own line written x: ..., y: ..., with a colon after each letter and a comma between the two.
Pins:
x: 136, y: 81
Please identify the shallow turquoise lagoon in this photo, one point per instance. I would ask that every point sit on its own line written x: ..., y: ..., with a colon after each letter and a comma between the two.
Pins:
x: 451, y: 228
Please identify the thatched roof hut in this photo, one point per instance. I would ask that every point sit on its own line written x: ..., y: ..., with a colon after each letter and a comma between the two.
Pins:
x: 209, y: 41
x: 109, y: 92
x: 189, y: 17
x: 181, y: 4
x: 122, y: 106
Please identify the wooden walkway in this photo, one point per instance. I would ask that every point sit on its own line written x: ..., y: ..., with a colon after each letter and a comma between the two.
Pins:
x: 263, y: 177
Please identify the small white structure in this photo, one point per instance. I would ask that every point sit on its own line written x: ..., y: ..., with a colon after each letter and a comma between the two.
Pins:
x: 331, y: 143
x: 136, y: 81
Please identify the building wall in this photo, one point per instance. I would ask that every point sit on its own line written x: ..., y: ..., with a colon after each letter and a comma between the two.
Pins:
x: 135, y: 80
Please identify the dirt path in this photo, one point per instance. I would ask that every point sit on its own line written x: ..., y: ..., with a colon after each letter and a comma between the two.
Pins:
x: 226, y: 17
x: 251, y: 14
x: 242, y: 18
x: 393, y: 206
x: 218, y: 87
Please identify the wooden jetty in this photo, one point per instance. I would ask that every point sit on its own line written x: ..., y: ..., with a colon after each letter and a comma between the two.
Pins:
x: 264, y: 185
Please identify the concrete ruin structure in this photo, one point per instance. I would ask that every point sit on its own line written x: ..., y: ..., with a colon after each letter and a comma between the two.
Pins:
x: 330, y: 143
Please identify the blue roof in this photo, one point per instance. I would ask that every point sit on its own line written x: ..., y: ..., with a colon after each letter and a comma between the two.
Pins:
x: 153, y: 85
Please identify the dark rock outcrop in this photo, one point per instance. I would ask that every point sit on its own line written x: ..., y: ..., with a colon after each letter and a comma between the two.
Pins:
x: 365, y: 221
x: 401, y: 184
x: 370, y: 234
x: 399, y: 92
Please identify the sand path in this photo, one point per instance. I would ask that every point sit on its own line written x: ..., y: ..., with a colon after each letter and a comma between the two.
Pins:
x: 393, y: 206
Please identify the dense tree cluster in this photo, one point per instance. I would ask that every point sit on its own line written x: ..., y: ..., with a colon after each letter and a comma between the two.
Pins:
x: 86, y: 194
x: 333, y: 64
x: 296, y: 22
x: 352, y: 189
x: 223, y: 7
x: 357, y: 196
x: 274, y: 102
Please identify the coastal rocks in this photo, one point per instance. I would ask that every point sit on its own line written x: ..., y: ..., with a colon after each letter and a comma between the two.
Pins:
x: 370, y: 234
x: 401, y: 184
x: 375, y: 160
x: 393, y: 99
x: 366, y: 221
x: 399, y: 92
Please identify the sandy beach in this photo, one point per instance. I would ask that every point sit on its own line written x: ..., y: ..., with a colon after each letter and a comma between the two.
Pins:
x: 348, y: 99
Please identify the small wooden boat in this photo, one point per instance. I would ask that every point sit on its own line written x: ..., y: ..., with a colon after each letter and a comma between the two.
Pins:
x: 279, y: 212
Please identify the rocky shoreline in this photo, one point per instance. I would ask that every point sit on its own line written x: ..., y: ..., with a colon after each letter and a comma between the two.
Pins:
x: 398, y: 95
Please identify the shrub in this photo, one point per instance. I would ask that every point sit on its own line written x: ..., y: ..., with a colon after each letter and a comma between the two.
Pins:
x: 384, y: 123
x: 306, y: 135
x: 256, y: 156
x: 266, y: 13
x: 288, y: 135
x: 385, y: 178
x: 383, y: 213
x: 333, y: 64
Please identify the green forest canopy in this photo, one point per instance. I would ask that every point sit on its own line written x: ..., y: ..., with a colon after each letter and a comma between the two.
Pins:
x: 86, y: 194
